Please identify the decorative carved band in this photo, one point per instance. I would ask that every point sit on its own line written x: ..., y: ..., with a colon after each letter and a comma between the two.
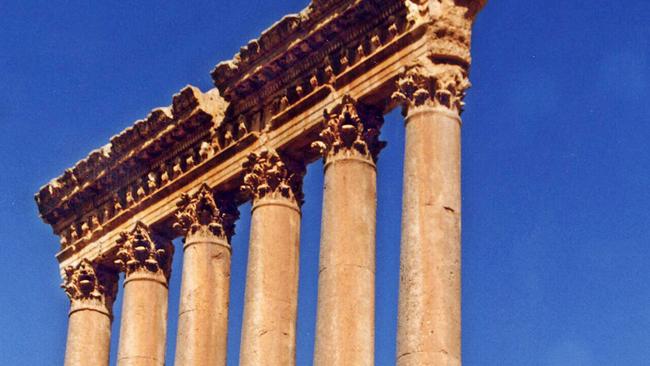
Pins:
x: 432, y: 85
x: 137, y: 251
x: 87, y: 282
x: 266, y: 175
x: 348, y: 134
x: 201, y: 213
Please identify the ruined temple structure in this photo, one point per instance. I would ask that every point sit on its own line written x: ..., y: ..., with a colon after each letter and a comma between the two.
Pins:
x: 315, y: 85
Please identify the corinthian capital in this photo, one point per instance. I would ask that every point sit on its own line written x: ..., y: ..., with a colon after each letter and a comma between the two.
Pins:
x: 435, y: 85
x: 202, y: 213
x: 87, y: 282
x: 354, y: 131
x: 268, y: 176
x: 137, y: 251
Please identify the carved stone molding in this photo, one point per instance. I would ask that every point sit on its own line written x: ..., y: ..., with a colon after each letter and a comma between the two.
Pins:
x: 301, y: 58
x: 138, y: 251
x: 137, y: 163
x: 351, y: 132
x: 432, y: 85
x: 87, y: 282
x: 202, y: 213
x: 266, y: 175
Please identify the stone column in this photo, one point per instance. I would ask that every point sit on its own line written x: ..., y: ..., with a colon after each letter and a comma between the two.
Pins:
x: 205, y: 288
x: 271, y: 299
x: 146, y: 263
x: 345, y: 326
x: 91, y: 290
x: 429, y: 326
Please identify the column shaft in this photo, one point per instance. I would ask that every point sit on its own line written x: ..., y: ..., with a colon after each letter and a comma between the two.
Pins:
x: 203, y: 313
x: 143, y: 330
x: 429, y: 331
x: 271, y: 299
x: 147, y: 265
x: 345, y: 331
x: 91, y: 290
x: 89, y: 337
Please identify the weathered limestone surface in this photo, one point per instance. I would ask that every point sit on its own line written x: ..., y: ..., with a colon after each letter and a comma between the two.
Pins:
x: 91, y: 293
x: 429, y: 326
x: 203, y: 313
x: 89, y: 337
x: 271, y: 299
x: 143, y: 329
x: 345, y: 331
x: 205, y: 286
x: 345, y: 326
x: 144, y: 321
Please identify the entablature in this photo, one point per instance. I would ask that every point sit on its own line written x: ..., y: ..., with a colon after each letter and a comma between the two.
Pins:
x: 272, y: 94
x: 140, y: 160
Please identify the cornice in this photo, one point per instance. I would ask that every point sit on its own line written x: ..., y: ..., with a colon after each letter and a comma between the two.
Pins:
x: 273, y: 43
x: 305, y: 39
x: 141, y: 145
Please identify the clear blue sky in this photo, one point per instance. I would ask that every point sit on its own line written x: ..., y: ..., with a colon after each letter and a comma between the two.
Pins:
x: 556, y: 168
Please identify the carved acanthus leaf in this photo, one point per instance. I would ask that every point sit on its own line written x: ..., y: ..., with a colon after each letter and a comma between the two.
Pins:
x: 86, y: 282
x: 437, y: 85
x: 138, y: 251
x: 202, y: 212
x: 266, y: 175
x: 348, y: 133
